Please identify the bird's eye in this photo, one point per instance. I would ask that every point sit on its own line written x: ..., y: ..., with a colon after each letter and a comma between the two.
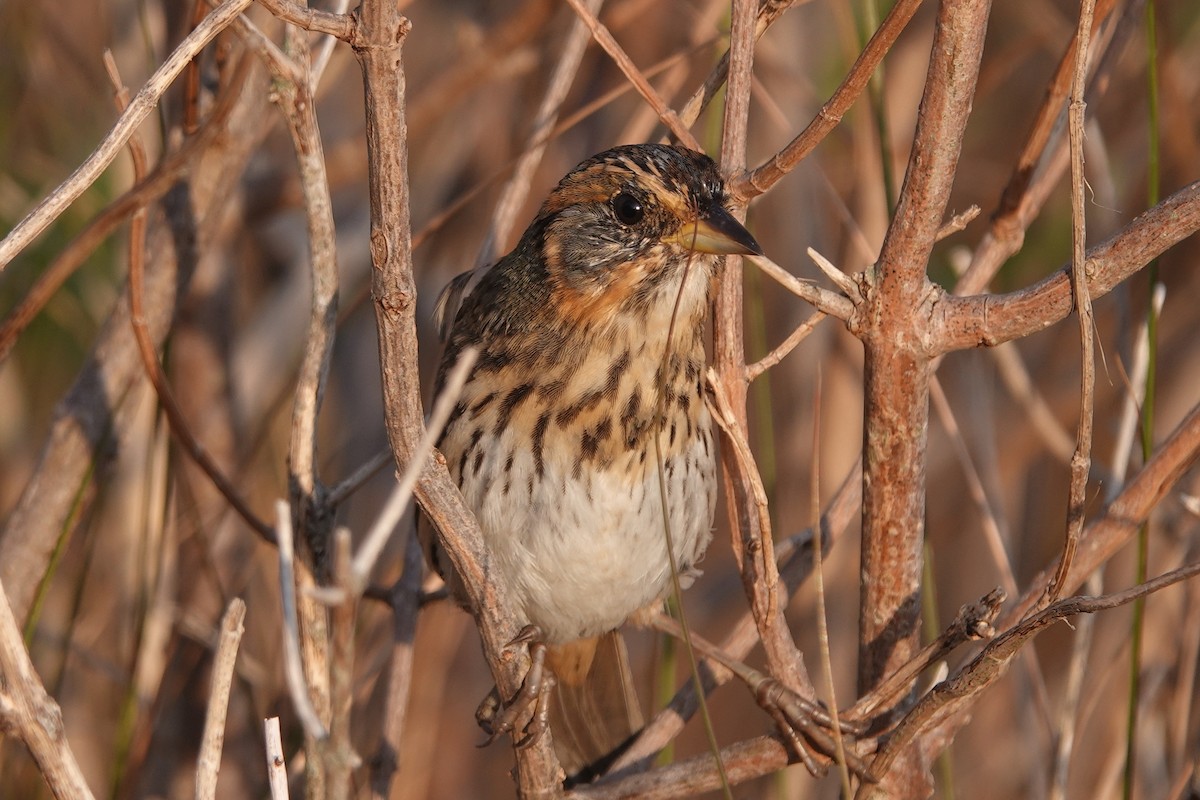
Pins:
x: 629, y: 209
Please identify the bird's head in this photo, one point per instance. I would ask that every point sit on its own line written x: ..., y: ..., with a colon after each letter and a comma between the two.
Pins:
x: 622, y: 227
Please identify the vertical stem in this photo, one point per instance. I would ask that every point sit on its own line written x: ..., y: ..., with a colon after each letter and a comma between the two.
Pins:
x: 897, y: 365
x: 752, y: 551
x: 378, y: 42
x: 1143, y: 542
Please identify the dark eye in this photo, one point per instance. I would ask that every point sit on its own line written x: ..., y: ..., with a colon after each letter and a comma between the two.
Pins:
x: 629, y: 209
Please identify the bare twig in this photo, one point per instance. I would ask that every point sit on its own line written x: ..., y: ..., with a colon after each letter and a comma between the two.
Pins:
x: 950, y: 696
x: 27, y: 710
x: 339, y: 492
x: 1081, y: 461
x: 786, y: 346
x: 973, y: 622
x: 749, y: 520
x: 768, y: 13
x: 382, y: 31
x: 635, y: 76
x: 819, y: 579
x: 761, y: 553
x: 840, y: 279
x: 276, y: 759
x: 292, y: 662
x: 209, y: 761
x: 341, y: 759
x: 762, y: 178
x: 140, y: 107
x: 515, y: 191
x: 897, y: 360
x: 340, y: 26
x: 832, y: 303
x: 991, y: 319
x: 398, y: 500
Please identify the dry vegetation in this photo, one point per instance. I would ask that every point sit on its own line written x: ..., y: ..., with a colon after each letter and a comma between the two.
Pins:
x: 119, y: 555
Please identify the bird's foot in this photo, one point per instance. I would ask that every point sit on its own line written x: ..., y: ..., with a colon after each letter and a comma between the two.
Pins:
x: 531, y: 703
x: 808, y: 728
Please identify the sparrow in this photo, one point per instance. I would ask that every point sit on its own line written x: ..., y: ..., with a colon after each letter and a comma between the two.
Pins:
x: 591, y: 346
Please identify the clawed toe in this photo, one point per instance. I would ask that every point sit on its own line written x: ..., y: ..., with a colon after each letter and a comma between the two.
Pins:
x: 808, y: 728
x: 533, y: 699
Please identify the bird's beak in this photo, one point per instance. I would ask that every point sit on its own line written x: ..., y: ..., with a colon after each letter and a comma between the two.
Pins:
x: 719, y: 233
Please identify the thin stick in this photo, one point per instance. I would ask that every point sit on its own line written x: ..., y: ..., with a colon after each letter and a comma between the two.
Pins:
x: 293, y: 96
x: 145, y: 343
x: 397, y: 502
x: 786, y: 346
x: 354, y: 481
x: 767, y: 574
x: 27, y: 710
x: 1081, y: 461
x: 140, y: 107
x: 839, y: 278
x: 276, y: 762
x: 635, y: 76
x: 341, y: 26
x: 832, y: 303
x: 293, y: 666
x: 955, y: 693
x: 762, y: 178
x: 209, y: 762
x: 341, y: 759
x: 517, y: 188
x: 819, y: 579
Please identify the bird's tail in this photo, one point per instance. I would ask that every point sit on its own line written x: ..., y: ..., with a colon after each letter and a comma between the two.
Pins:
x: 594, y: 710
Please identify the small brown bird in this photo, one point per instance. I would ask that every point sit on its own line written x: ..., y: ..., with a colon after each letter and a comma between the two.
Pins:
x: 591, y: 344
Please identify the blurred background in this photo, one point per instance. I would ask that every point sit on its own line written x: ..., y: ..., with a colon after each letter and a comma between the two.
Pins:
x: 123, y: 628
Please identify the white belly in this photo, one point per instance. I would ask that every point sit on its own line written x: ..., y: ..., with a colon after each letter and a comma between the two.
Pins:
x: 583, y: 553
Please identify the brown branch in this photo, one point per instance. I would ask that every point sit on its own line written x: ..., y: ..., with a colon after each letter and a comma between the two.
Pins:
x: 897, y: 369
x: 209, y: 762
x: 973, y: 622
x: 743, y: 761
x: 1038, y: 167
x: 897, y: 365
x: 144, y: 102
x: 148, y: 352
x: 276, y: 762
x: 299, y: 110
x: 768, y: 13
x: 749, y: 523
x: 1081, y: 460
x: 29, y: 712
x: 635, y: 76
x: 340, y: 756
x: 785, y: 347
x: 955, y: 694
x: 378, y: 48
x: 762, y: 178
x: 340, y: 26
x: 962, y: 322
x: 140, y: 195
